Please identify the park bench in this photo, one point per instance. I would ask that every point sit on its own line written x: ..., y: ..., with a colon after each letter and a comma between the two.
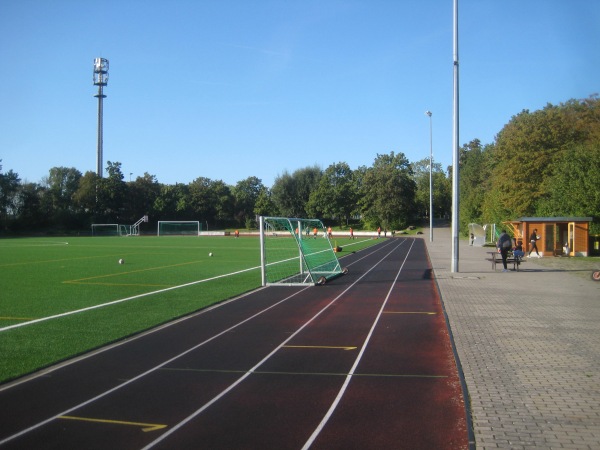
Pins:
x: 496, y: 258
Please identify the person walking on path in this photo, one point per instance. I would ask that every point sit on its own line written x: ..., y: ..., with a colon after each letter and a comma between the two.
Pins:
x: 533, y: 240
x: 504, y: 244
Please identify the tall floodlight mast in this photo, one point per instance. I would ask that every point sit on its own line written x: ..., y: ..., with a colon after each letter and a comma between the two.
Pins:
x: 100, y: 80
x: 455, y: 151
x: 430, y: 177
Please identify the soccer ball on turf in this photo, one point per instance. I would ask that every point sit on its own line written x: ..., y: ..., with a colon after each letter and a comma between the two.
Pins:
x: 210, y: 254
x: 121, y: 261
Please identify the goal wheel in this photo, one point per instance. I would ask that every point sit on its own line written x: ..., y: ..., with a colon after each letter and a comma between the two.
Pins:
x: 321, y: 281
x: 345, y: 270
x: 596, y: 275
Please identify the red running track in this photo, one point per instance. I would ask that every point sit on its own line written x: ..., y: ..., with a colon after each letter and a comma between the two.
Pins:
x: 363, y: 362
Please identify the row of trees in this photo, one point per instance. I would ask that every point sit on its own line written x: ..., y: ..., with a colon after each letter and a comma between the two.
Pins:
x: 542, y: 163
x: 388, y: 194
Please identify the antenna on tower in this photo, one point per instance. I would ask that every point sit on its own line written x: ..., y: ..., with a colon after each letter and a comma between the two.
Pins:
x: 100, y: 80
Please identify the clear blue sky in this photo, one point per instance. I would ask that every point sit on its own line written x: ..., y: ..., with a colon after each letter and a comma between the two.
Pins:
x: 228, y: 89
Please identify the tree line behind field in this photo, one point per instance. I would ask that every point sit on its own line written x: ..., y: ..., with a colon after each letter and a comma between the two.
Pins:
x: 68, y: 201
x: 542, y: 163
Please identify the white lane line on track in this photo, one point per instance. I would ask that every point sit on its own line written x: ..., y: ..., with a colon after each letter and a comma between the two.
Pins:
x: 107, y: 347
x: 160, y: 366
x: 260, y: 363
x: 147, y: 372
x: 122, y: 300
x: 342, y: 391
x: 377, y: 249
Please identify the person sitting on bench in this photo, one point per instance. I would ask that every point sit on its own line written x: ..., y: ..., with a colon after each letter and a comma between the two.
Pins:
x: 518, y: 249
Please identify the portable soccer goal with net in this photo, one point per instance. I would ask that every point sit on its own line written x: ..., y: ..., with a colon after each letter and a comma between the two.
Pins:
x: 116, y: 229
x: 106, y: 229
x: 178, y: 228
x: 296, y: 252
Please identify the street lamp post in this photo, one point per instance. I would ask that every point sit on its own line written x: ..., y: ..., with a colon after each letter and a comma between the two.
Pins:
x: 430, y: 177
x: 455, y: 149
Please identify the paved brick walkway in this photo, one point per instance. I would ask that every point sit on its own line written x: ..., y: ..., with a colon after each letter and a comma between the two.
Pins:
x: 529, y: 345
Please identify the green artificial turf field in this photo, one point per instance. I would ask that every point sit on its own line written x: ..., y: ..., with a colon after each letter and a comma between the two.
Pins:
x: 61, y: 297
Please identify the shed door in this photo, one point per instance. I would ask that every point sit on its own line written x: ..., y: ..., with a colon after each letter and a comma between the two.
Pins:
x: 571, y: 238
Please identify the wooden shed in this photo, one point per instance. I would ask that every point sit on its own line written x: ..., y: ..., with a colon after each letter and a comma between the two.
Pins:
x: 554, y: 233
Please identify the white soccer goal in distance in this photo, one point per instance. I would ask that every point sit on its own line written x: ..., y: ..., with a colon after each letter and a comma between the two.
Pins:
x: 105, y: 229
x: 178, y: 228
x: 116, y: 229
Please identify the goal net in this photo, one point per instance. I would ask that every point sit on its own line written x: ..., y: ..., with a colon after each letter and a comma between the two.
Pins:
x: 105, y: 229
x: 296, y: 252
x: 179, y: 228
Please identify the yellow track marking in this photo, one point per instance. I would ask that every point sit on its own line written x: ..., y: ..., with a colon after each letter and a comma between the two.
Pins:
x: 145, y: 426
x: 129, y: 272
x: 319, y: 346
x: 46, y: 261
x: 119, y: 284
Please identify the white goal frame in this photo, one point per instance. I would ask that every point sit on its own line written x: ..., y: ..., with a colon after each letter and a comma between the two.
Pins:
x: 106, y: 226
x: 296, y: 252
x: 195, y: 233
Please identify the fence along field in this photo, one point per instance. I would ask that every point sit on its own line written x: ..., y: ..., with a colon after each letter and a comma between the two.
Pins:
x: 61, y: 297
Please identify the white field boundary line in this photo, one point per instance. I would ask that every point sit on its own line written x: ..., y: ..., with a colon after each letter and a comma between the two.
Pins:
x: 122, y: 300
x: 68, y: 313
x: 326, y: 250
x: 317, y: 268
x: 35, y: 244
x: 342, y: 391
x: 92, y: 353
x: 143, y: 374
x: 266, y: 358
x: 345, y: 256
x: 70, y: 361
x: 160, y: 366
x: 358, y: 241
x: 374, y: 249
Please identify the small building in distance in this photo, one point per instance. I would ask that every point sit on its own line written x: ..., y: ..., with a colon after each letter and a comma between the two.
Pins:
x: 557, y: 234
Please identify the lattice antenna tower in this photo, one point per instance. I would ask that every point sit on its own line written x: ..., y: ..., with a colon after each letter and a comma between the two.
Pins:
x: 100, y: 80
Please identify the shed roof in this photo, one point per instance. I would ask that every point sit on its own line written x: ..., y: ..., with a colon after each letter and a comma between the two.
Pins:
x: 554, y: 219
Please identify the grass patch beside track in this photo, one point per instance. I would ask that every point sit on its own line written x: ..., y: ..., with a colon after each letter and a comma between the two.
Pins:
x: 161, y: 279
